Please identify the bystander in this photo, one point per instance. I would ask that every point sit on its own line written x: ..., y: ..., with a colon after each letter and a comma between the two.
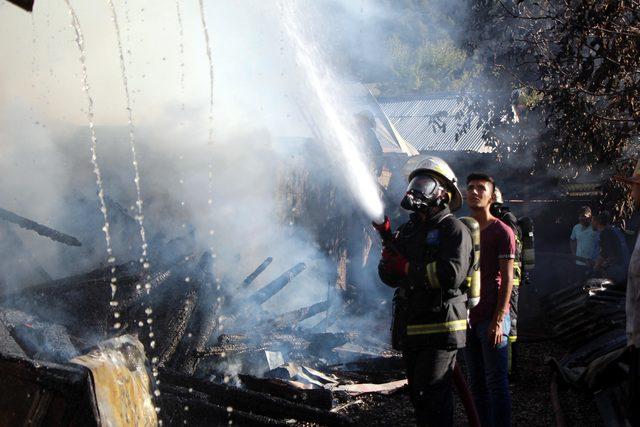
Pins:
x: 584, y: 243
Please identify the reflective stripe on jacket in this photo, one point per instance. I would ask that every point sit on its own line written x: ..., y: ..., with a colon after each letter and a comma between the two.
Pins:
x: 433, y: 311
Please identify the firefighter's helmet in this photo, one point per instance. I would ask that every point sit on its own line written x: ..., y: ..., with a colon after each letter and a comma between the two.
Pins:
x: 437, y: 167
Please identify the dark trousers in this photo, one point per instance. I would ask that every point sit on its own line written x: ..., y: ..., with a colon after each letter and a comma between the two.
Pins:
x: 430, y: 376
x: 487, y: 366
x: 580, y: 273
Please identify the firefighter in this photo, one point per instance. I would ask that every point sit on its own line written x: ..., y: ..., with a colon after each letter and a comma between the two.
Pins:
x: 428, y: 260
x: 504, y: 214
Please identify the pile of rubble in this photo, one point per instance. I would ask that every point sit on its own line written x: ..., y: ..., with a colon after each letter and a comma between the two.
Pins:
x: 263, y: 370
x: 590, y: 320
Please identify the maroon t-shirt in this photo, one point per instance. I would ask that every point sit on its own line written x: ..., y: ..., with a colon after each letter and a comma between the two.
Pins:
x: 497, y: 242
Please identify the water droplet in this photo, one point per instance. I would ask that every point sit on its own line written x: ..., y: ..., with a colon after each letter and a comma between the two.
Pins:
x: 187, y: 279
x: 113, y: 303
x: 141, y: 323
x: 154, y: 360
x: 145, y: 265
x: 117, y: 325
x: 190, y: 390
x: 157, y: 408
x: 116, y: 315
x: 156, y: 393
x: 149, y: 321
x: 147, y: 286
x: 148, y: 310
x: 151, y: 334
x: 152, y: 344
x: 229, y: 409
x: 186, y: 408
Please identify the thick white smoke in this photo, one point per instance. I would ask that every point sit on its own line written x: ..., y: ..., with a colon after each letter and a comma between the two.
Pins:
x: 257, y: 93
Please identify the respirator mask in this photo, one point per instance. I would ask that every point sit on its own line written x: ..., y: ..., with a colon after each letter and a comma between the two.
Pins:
x: 423, y: 192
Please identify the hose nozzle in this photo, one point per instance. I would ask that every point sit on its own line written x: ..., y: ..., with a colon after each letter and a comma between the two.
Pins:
x: 384, y: 229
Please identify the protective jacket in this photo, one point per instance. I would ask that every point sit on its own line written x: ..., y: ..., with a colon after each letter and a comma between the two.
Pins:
x: 429, y: 306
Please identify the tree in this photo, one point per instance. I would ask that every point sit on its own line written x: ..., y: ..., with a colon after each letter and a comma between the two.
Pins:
x: 568, y: 72
x: 576, y: 66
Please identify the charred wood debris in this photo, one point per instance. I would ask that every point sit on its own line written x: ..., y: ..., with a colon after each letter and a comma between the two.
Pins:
x: 589, y: 319
x: 263, y: 370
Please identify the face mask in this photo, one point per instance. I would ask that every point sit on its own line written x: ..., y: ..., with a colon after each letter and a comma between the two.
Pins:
x: 423, y: 193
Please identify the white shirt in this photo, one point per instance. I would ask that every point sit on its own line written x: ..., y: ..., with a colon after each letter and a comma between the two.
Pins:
x: 586, y: 239
x: 633, y: 297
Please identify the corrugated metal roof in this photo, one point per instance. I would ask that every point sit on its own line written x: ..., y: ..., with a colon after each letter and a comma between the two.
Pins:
x: 413, y: 119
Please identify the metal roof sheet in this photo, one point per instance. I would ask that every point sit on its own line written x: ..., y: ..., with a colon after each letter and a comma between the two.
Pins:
x: 413, y: 119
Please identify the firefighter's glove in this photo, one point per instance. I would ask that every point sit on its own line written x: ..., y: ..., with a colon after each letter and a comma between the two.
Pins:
x: 384, y: 230
x: 394, y: 263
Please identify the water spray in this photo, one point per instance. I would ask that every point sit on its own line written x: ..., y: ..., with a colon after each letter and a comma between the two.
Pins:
x: 132, y: 141
x: 139, y: 217
x: 337, y: 132
x: 207, y: 40
x: 181, y: 50
x: 79, y: 38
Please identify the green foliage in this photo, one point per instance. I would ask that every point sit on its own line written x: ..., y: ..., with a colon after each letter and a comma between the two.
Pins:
x: 429, y: 67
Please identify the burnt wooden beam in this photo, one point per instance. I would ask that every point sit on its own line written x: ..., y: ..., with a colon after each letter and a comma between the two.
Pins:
x: 181, y: 405
x: 295, y: 316
x: 317, y: 397
x: 42, y: 230
x: 257, y: 403
x: 262, y: 267
x: 276, y: 285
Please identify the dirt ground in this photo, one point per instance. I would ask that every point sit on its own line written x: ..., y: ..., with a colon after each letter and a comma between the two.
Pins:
x: 530, y: 397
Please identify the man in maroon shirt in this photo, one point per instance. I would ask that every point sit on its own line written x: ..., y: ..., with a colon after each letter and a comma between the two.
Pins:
x: 486, y: 353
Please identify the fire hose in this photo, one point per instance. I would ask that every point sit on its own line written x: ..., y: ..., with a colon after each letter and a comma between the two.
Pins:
x: 465, y: 395
x: 555, y: 402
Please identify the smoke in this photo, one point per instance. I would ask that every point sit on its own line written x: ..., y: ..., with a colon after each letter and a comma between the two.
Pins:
x: 268, y: 88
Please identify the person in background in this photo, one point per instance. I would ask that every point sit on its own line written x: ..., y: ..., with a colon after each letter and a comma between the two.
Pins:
x: 632, y: 307
x: 504, y: 214
x: 613, y: 257
x: 486, y: 353
x: 630, y: 229
x: 584, y: 244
